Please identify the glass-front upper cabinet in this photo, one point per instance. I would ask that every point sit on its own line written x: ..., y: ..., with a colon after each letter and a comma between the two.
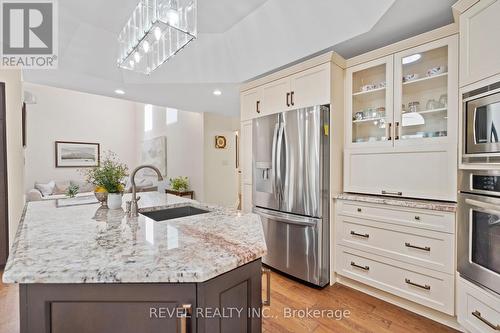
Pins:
x: 369, y: 101
x: 425, y: 93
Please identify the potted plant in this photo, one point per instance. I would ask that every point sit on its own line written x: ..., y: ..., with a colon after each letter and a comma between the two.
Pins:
x: 108, y: 178
x: 179, y: 184
x: 72, y: 191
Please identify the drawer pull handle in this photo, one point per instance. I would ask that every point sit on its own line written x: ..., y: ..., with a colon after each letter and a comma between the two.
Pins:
x: 186, y: 310
x: 359, y: 210
x: 354, y: 233
x: 392, y: 193
x: 365, y: 268
x: 267, y: 273
x: 477, y: 314
x: 426, y: 248
x: 417, y: 218
x: 426, y: 287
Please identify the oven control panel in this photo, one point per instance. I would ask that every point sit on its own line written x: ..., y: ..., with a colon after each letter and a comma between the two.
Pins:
x: 486, y: 183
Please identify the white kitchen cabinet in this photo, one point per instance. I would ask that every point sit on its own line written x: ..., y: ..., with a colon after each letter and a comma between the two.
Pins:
x: 407, y: 252
x: 276, y: 96
x: 311, y: 87
x: 478, y: 310
x: 401, y: 139
x: 251, y: 101
x: 479, y: 46
x: 246, y: 165
x: 369, y: 104
x: 246, y: 151
x: 305, y: 88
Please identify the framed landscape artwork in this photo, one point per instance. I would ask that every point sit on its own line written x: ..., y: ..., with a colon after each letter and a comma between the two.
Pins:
x: 77, y: 154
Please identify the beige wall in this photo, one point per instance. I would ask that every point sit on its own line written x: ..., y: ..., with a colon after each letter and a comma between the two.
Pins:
x: 66, y: 115
x: 15, y: 152
x: 220, y: 173
x: 184, y: 133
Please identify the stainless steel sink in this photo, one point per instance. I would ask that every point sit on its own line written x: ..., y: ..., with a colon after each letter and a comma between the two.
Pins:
x: 174, y: 213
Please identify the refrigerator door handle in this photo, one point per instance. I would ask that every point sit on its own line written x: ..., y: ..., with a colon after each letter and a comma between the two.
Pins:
x: 287, y: 218
x: 279, y: 180
x: 273, y: 161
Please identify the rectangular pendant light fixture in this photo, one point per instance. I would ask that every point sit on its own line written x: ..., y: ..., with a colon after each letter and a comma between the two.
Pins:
x: 155, y: 32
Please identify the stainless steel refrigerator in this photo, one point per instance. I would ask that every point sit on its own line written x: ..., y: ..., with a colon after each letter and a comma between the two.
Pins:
x: 291, y: 159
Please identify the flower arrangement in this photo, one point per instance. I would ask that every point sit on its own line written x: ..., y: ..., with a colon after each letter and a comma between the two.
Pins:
x: 109, y: 176
x: 179, y: 183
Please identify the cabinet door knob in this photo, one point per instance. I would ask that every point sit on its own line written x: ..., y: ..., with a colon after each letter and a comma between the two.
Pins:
x: 359, y: 210
x: 291, y: 98
x: 423, y: 248
x: 389, y: 131
x: 257, y: 107
x: 417, y: 218
x: 287, y: 99
x: 396, y: 131
x: 354, y: 233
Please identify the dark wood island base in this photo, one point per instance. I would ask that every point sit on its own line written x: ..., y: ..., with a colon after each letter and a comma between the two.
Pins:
x: 230, y: 303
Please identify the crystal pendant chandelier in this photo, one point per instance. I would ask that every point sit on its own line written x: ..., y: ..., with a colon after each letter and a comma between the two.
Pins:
x: 155, y: 32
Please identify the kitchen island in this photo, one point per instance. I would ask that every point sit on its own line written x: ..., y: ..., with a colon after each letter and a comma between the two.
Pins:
x: 83, y: 268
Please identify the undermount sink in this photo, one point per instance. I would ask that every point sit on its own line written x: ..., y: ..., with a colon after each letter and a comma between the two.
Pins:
x: 174, y: 213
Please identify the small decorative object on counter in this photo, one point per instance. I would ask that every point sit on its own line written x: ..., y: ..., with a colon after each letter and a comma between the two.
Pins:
x: 102, y: 196
x: 108, y: 178
x: 72, y: 190
x: 358, y: 115
x: 179, y: 184
x: 443, y: 99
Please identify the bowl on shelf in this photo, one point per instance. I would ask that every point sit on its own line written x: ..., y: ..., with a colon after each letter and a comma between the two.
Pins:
x: 368, y: 87
x: 410, y: 77
x: 436, y: 70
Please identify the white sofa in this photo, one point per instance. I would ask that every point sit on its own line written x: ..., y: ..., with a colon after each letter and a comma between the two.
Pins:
x: 57, y: 189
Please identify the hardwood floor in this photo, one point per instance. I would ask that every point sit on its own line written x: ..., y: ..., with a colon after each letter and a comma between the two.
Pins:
x: 367, y: 314
x: 9, y: 307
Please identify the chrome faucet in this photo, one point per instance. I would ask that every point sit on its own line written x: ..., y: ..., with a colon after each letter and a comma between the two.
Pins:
x: 132, y: 208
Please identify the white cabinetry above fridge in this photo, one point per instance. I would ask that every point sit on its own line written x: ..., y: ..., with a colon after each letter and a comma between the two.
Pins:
x: 402, y: 123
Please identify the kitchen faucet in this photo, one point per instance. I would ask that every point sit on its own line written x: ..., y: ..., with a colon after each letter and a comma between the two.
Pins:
x: 132, y: 208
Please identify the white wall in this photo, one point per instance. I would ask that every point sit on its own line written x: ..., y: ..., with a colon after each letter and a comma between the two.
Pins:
x: 66, y: 115
x: 15, y: 152
x: 221, y: 177
x: 184, y: 132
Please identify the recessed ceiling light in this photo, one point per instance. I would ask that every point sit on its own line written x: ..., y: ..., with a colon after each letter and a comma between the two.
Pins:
x: 119, y: 92
x: 217, y: 92
x: 411, y: 58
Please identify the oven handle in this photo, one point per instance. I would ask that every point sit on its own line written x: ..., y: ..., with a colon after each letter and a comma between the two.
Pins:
x: 487, y: 207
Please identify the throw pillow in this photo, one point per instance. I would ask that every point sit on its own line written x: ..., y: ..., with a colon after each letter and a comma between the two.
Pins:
x: 46, y: 189
x: 61, y: 187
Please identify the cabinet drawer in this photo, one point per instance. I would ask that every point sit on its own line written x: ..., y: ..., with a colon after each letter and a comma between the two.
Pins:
x: 425, y: 287
x: 418, y: 218
x: 478, y: 310
x: 430, y: 249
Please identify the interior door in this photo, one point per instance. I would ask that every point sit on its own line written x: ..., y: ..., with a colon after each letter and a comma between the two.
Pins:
x: 301, y: 151
x: 4, y: 230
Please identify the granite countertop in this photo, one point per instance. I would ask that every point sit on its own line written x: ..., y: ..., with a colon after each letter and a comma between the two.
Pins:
x: 89, y: 244
x: 402, y: 202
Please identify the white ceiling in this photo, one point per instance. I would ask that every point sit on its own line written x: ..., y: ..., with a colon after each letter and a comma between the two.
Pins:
x: 238, y: 40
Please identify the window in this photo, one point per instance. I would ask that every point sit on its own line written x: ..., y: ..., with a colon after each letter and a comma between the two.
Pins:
x: 170, y: 116
x: 148, y: 118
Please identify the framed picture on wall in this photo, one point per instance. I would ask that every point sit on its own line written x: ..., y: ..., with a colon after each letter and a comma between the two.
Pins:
x: 77, y: 154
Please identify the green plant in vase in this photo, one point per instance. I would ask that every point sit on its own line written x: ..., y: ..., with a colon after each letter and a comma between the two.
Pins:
x: 109, y: 177
x: 72, y: 191
x: 179, y: 184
